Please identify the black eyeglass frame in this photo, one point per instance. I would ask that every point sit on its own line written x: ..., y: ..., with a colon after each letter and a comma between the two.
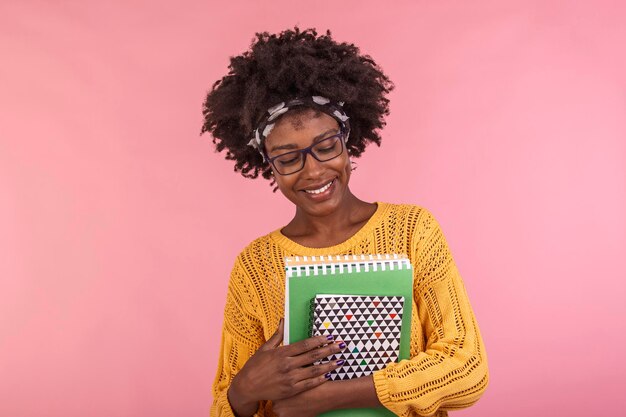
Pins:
x: 343, y: 136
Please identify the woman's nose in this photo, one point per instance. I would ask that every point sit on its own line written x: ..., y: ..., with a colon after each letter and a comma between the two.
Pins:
x: 312, y: 167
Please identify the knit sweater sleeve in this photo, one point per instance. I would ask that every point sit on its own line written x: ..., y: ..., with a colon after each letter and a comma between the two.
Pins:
x: 451, y: 372
x: 242, y: 335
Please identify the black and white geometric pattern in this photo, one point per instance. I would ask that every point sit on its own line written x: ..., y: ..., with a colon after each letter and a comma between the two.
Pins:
x: 369, y: 325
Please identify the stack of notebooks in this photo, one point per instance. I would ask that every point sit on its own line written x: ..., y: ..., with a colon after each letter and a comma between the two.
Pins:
x: 362, y: 300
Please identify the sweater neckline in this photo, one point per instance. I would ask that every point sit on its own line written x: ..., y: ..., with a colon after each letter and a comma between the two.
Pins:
x: 296, y: 248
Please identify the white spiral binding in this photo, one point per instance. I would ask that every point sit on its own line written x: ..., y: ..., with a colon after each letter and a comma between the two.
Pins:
x: 325, y: 265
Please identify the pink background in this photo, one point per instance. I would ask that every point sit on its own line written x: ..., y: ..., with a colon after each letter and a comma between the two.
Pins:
x: 119, y: 224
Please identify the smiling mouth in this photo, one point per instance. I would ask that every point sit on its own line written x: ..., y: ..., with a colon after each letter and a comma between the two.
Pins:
x: 320, y: 190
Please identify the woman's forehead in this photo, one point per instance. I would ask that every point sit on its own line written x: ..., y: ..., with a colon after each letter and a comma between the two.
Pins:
x: 301, y: 125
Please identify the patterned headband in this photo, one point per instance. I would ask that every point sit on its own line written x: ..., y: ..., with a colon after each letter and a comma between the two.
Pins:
x: 323, y: 104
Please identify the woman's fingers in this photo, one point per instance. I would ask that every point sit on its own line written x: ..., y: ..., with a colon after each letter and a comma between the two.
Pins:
x: 306, y: 345
x: 311, y: 356
x: 318, y: 370
x: 274, y: 341
x: 312, y: 376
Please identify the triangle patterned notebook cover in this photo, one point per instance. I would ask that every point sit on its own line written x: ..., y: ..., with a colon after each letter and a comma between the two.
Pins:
x: 369, y: 325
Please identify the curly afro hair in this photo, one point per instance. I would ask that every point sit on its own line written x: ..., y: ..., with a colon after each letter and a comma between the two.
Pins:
x: 281, y: 67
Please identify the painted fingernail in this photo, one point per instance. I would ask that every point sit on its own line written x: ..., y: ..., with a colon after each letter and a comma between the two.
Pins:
x: 327, y: 375
x: 342, y: 345
x: 340, y: 362
x: 330, y: 337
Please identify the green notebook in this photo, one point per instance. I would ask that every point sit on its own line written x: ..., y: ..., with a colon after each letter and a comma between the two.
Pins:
x: 366, y: 275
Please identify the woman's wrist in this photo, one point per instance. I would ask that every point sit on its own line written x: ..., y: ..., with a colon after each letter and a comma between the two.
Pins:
x: 241, y: 404
x: 354, y: 393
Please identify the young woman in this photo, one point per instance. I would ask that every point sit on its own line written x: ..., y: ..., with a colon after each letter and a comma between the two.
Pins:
x: 295, y: 109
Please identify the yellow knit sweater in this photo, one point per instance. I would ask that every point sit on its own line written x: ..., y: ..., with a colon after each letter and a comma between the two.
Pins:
x: 448, y: 365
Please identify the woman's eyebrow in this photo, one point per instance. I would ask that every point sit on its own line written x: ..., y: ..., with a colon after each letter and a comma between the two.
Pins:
x: 287, y: 146
x: 294, y: 146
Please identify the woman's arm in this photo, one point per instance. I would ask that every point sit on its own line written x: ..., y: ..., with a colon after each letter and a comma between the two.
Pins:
x: 242, y: 335
x: 353, y: 393
x: 249, y: 375
x: 452, y: 370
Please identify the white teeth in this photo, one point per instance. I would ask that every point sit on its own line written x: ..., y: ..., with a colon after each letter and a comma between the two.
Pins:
x: 320, y: 190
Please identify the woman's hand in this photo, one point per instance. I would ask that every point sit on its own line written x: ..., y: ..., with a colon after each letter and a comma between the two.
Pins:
x: 276, y: 372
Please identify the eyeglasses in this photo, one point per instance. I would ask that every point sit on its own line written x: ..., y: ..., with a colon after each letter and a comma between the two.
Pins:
x: 324, y: 150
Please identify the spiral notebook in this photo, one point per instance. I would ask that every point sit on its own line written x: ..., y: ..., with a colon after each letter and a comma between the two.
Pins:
x: 369, y: 325
x: 389, y: 275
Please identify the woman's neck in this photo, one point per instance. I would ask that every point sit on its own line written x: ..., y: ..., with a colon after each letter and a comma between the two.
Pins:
x: 331, y: 229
